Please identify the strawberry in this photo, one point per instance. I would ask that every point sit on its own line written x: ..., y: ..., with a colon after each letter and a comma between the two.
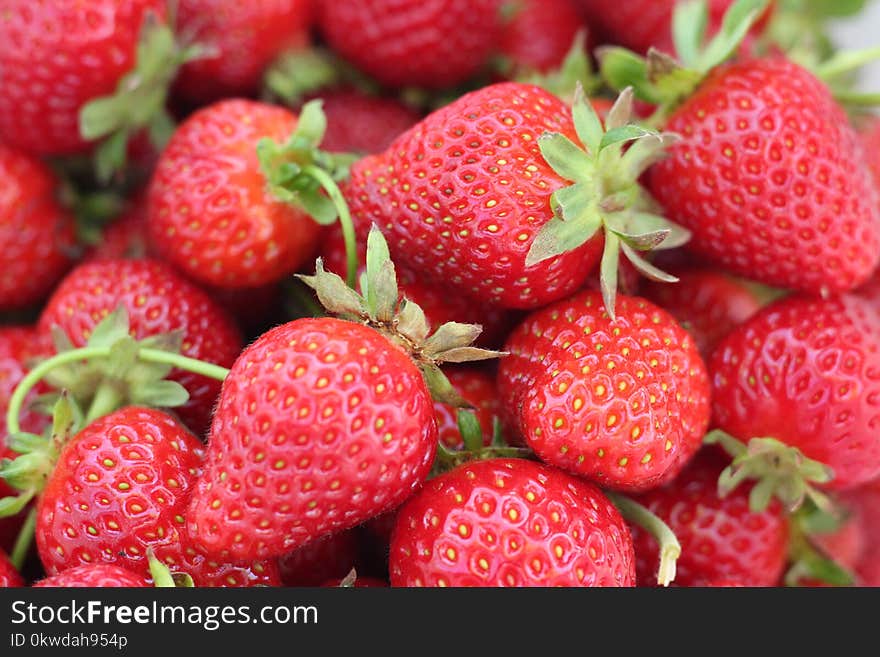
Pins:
x: 36, y: 233
x: 426, y: 43
x: 210, y: 208
x: 624, y: 402
x: 9, y: 575
x: 825, y: 548
x: 158, y: 301
x: 771, y: 180
x: 241, y: 40
x: 538, y: 34
x: 476, y: 387
x: 324, y: 559
x: 869, y: 133
x: 721, y: 539
x: 126, y: 236
x: 802, y: 374
x: 706, y: 303
x: 325, y: 423
x: 121, y: 487
x: 492, y: 195
x: 102, y: 575
x: 864, y: 503
x: 510, y: 522
x: 438, y: 305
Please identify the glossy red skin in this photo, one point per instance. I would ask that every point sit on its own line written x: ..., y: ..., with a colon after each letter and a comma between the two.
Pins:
x: 706, y: 303
x: 869, y: 135
x: 540, y: 34
x: 640, y: 24
x: 211, y: 213
x: 531, y: 524
x: 158, y: 300
x: 94, y: 576
x: 36, y: 234
x: 579, y: 388
x: 321, y: 425
x: 83, y: 49
x: 447, y: 166
x: 478, y: 388
x: 865, y: 504
x: 807, y: 372
x: 791, y: 203
x: 425, y: 43
x: 245, y: 37
x: 720, y: 538
x: 159, y: 461
x: 9, y: 575
x: 361, y: 123
x: 435, y: 300
x: 326, y: 558
x: 18, y: 345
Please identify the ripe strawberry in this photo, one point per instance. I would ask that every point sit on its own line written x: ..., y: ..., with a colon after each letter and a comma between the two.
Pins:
x: 771, y: 180
x: 425, y: 43
x: 102, y: 575
x: 119, y: 488
x: 721, y: 539
x: 211, y: 212
x: 321, y: 424
x: 158, y: 301
x: 869, y: 134
x: 706, y: 303
x: 36, y: 234
x: 864, y: 503
x: 126, y: 236
x: 83, y: 50
x: 361, y: 123
x: 9, y: 575
x: 438, y: 305
x: 623, y: 402
x: 478, y: 388
x: 323, y: 559
x: 480, y: 196
x: 539, y: 34
x: 241, y: 40
x: 510, y: 522
x: 804, y: 371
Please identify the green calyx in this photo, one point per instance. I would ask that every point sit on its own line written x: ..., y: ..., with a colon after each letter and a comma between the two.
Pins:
x: 379, y: 305
x: 298, y: 172
x: 297, y: 74
x: 780, y: 471
x: 163, y: 578
x: 661, y: 79
x: 670, y: 548
x: 140, y: 97
x: 605, y: 194
x: 809, y: 562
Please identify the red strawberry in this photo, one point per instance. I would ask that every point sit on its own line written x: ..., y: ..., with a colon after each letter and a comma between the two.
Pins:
x: 121, y: 487
x: 476, y: 387
x: 510, y: 522
x: 489, y: 195
x: 806, y: 372
x: 361, y: 123
x: 869, y: 134
x: 864, y: 503
x: 36, y: 234
x: 9, y: 575
x: 323, y: 559
x: 624, y: 402
x: 242, y: 39
x: 706, y: 303
x: 438, y: 305
x: 321, y: 424
x: 126, y: 236
x: 102, y: 575
x: 425, y: 43
x: 771, y: 180
x: 84, y: 49
x: 211, y: 212
x: 158, y: 301
x: 539, y: 34
x: 721, y: 539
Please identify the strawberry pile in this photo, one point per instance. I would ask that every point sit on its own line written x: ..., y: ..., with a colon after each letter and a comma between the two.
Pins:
x: 437, y: 293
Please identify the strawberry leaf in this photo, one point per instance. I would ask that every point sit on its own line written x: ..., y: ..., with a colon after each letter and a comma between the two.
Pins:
x: 559, y: 236
x: 566, y: 158
x: 608, y: 272
x: 587, y: 123
x: 412, y: 323
x: 689, y: 23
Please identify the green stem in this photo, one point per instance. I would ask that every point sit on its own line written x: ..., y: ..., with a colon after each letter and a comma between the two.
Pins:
x: 329, y: 185
x: 16, y: 401
x: 23, y: 541
x: 670, y: 548
x: 105, y: 401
